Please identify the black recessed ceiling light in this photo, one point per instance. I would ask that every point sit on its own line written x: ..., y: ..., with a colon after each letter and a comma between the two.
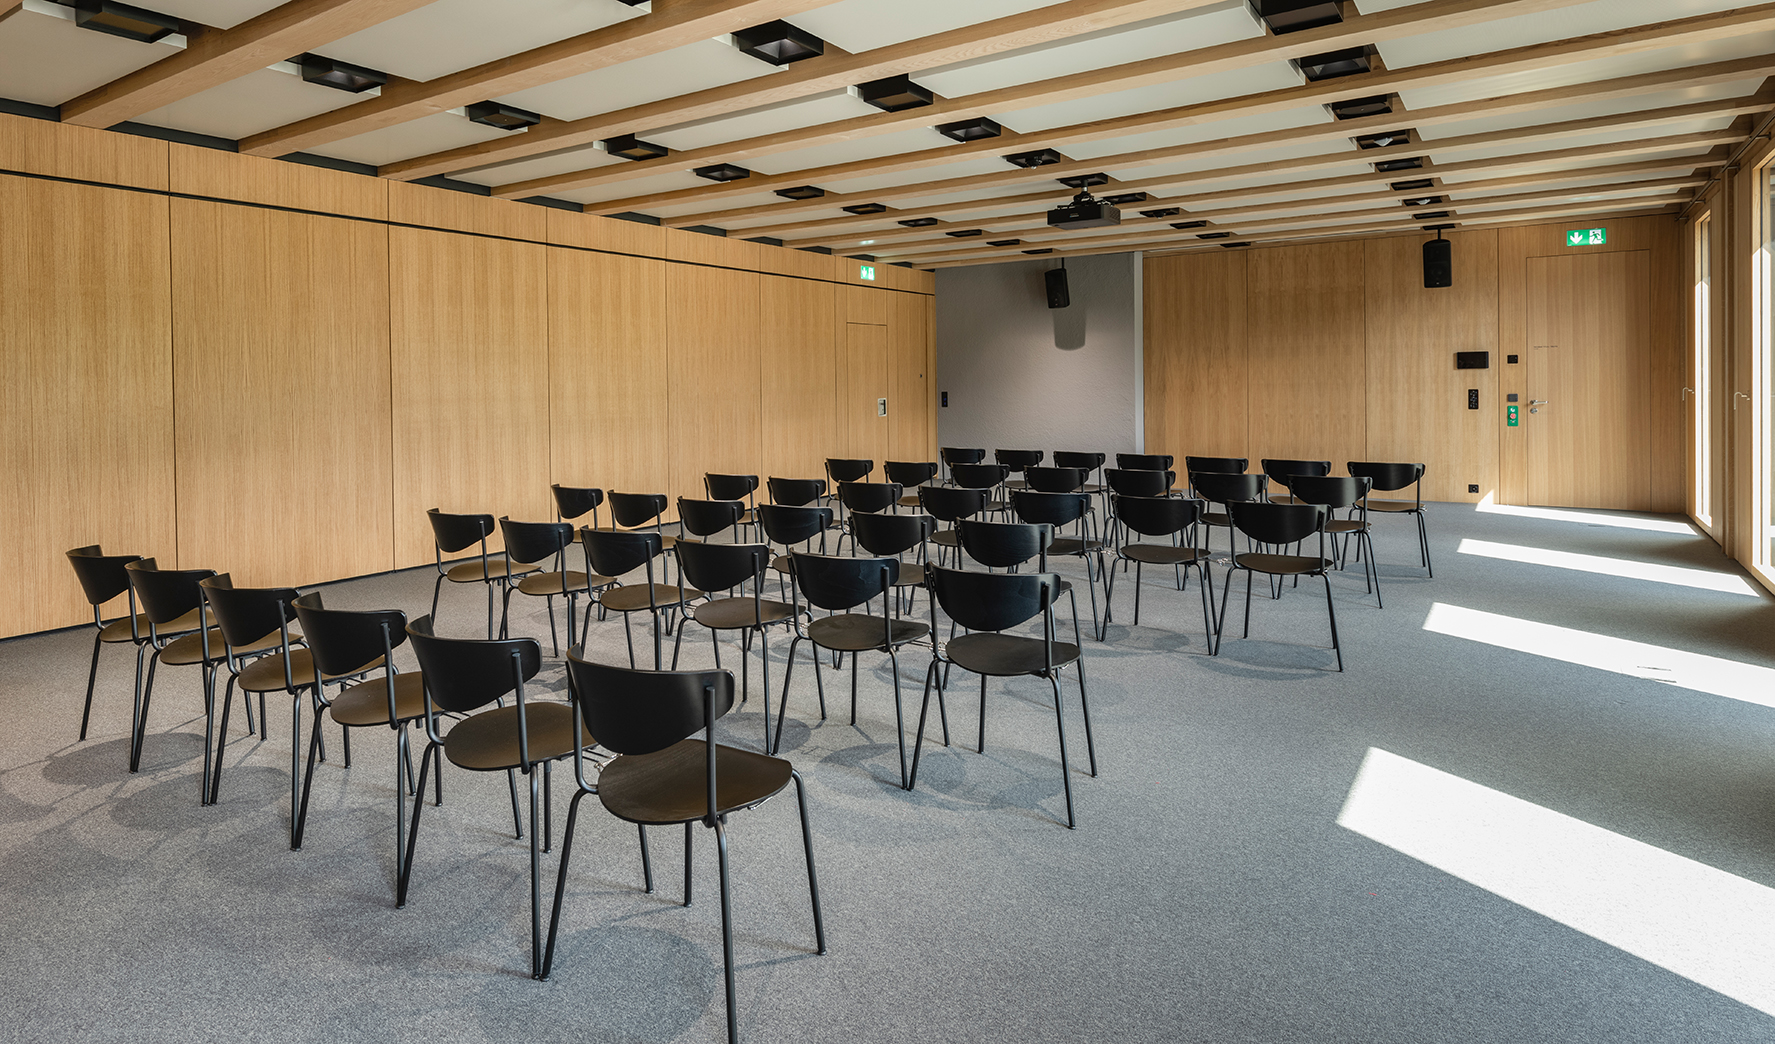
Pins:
x: 1389, y: 166
x: 341, y: 76
x: 1421, y: 201
x: 1383, y: 139
x: 894, y: 93
x: 971, y: 130
x: 1291, y: 16
x: 1243, y: 243
x: 1003, y: 242
x: 505, y: 117
x: 1043, y: 250
x: 722, y: 172
x: 1079, y: 181
x: 919, y: 222
x: 778, y: 43
x: 632, y: 148
x: 963, y: 233
x: 1356, y: 108
x: 1162, y: 212
x: 1125, y: 198
x: 1037, y: 158
x: 801, y: 192
x: 1443, y: 228
x: 866, y: 208
x: 1414, y: 185
x: 1215, y: 235
x: 131, y: 23
x: 1189, y: 224
x: 1346, y: 61
x: 1430, y: 215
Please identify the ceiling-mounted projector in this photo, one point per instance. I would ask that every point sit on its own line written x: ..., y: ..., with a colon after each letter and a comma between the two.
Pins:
x: 1085, y: 211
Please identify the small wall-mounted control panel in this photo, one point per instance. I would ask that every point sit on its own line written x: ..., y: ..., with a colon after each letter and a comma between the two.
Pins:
x: 1472, y: 398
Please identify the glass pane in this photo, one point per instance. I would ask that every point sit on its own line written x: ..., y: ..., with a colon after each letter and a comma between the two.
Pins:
x: 1703, y: 389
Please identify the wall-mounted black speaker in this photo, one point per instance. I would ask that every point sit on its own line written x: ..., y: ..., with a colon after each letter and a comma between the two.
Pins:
x: 1439, y: 265
x: 1058, y: 297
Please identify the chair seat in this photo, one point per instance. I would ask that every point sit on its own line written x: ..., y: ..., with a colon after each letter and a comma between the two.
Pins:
x: 1405, y: 506
x: 858, y: 632
x: 911, y: 574
x: 633, y: 597
x: 1074, y: 545
x: 1346, y: 525
x: 946, y: 537
x: 119, y: 630
x: 910, y: 501
x: 266, y: 674
x: 557, y: 583
x: 783, y: 564
x: 366, y: 703
x: 1216, y: 518
x: 470, y: 572
x: 188, y: 649
x: 1162, y: 554
x: 726, y: 614
x: 1282, y: 565
x: 672, y: 785
x: 1006, y: 655
x: 488, y: 742
x: 1286, y: 498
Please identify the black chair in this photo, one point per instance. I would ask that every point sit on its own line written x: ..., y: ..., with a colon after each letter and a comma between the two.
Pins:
x: 911, y: 475
x: 950, y: 504
x: 1059, y: 510
x: 868, y: 498
x: 1016, y: 461
x: 839, y: 585
x: 1345, y: 493
x: 790, y: 526
x: 463, y: 676
x: 734, y: 487
x: 1055, y: 480
x: 1282, y: 472
x: 890, y: 536
x: 171, y: 599
x: 793, y: 492
x: 1223, y: 489
x: 1010, y: 546
x: 633, y: 511
x: 1146, y: 461
x: 705, y: 518
x: 1086, y: 462
x: 846, y: 469
x: 663, y: 777
x: 573, y: 503
x: 988, y: 477
x: 1216, y: 465
x: 1173, y: 517
x: 102, y: 578
x: 539, y: 542
x: 1278, y: 525
x: 723, y: 567
x: 1388, y: 477
x: 616, y: 554
x: 349, y: 643
x: 988, y: 604
x: 453, y: 533
x: 953, y: 455
x: 1128, y: 482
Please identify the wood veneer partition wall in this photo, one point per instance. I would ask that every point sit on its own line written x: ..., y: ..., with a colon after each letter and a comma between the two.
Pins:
x: 1337, y: 351
x: 277, y: 370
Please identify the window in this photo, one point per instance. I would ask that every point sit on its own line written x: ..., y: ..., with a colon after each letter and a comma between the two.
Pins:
x: 1701, y: 395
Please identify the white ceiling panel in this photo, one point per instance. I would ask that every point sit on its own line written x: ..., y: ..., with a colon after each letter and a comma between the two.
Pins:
x: 863, y: 25
x: 809, y: 112
x: 915, y: 140
x: 748, y: 199
x: 1270, y: 76
x: 1599, y: 16
x: 47, y: 60
x: 420, y: 137
x: 1147, y: 172
x: 1205, y: 27
x: 924, y: 175
x: 1261, y: 124
x: 1572, y: 141
x: 671, y: 182
x: 682, y: 70
x: 586, y: 158
x: 220, y: 14
x: 449, y: 35
x: 1575, y: 178
x: 255, y: 102
x: 1587, y: 110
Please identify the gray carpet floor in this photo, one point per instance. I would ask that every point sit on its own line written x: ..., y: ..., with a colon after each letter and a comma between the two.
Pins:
x: 1208, y: 894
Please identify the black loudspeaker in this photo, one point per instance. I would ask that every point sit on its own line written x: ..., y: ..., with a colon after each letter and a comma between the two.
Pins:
x: 1058, y: 297
x: 1439, y: 265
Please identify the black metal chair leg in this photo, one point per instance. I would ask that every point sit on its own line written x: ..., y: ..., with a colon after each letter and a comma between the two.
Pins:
x: 689, y: 844
x: 764, y: 654
x: 535, y: 883
x: 141, y: 723
x: 923, y: 708
x: 1065, y: 767
x: 92, y: 678
x: 646, y: 860
x: 982, y: 745
x: 511, y: 778
x: 733, y: 1025
x: 209, y: 735
x: 807, y: 845
x: 300, y: 821
x: 1137, y: 594
x: 436, y: 587
x: 899, y: 716
x: 783, y: 708
x: 215, y: 781
x: 548, y: 953
x: 1332, y: 611
x: 432, y: 752
x: 628, y: 635
x: 1247, y: 634
x: 403, y: 784
x: 296, y: 764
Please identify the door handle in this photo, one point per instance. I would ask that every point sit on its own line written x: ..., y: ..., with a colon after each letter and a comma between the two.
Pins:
x: 1537, y: 402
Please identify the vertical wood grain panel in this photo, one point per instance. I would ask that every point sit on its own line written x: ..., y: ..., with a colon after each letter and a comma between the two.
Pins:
x: 1513, y: 378
x: 225, y: 175
x: 64, y: 151
x: 1195, y: 354
x: 712, y: 352
x: 1672, y: 458
x: 86, y: 396
x: 909, y: 380
x: 469, y: 344
x: 1306, y: 330
x: 799, y: 357
x: 866, y: 376
x: 281, y: 394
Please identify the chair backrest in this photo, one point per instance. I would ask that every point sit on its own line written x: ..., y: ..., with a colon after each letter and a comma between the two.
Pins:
x: 708, y: 517
x: 245, y: 615
x: 1282, y: 472
x: 993, y: 601
x: 1017, y: 460
x: 950, y: 503
x: 1216, y: 465
x: 1223, y: 488
x: 1127, y: 482
x: 870, y: 496
x: 891, y: 534
x: 793, y: 492
x: 1054, y: 509
x: 1055, y: 480
x: 1387, y: 476
x: 848, y: 469
x: 1085, y: 461
x: 464, y: 674
x: 166, y: 594
x: 978, y: 476
x: 792, y: 525
x: 1158, y: 516
x: 611, y: 553
x: 534, y: 541
x: 102, y: 577
x: 729, y: 487
x: 1330, y: 491
x: 574, y: 501
x: 633, y: 510
x: 639, y: 712
x: 837, y: 584
x: 1000, y: 545
x: 953, y: 455
x: 1269, y: 523
x: 717, y: 567
x: 909, y: 473
x: 343, y: 640
x: 1145, y: 461
x: 453, y: 533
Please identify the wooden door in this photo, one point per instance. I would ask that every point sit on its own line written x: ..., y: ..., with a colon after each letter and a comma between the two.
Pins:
x: 866, y: 376
x: 1586, y: 417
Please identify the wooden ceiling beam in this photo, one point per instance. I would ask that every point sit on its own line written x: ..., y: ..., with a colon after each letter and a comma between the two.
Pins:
x: 802, y: 80
x: 8, y: 8
x: 673, y: 23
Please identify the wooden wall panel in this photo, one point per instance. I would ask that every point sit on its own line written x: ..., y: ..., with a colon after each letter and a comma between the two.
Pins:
x: 224, y: 175
x: 865, y: 382
x: 799, y: 358
x: 607, y: 370
x: 1306, y: 331
x: 713, y: 367
x: 602, y: 233
x: 64, y: 151
x: 1195, y: 368
x: 909, y: 380
x: 413, y: 204
x: 469, y: 344
x: 1417, y: 401
x: 281, y: 394
x: 86, y: 395
x: 864, y: 304
x: 1670, y: 428
x: 697, y: 248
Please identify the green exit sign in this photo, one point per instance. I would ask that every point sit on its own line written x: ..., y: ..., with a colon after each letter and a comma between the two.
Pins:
x: 866, y: 272
x: 1587, y: 237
